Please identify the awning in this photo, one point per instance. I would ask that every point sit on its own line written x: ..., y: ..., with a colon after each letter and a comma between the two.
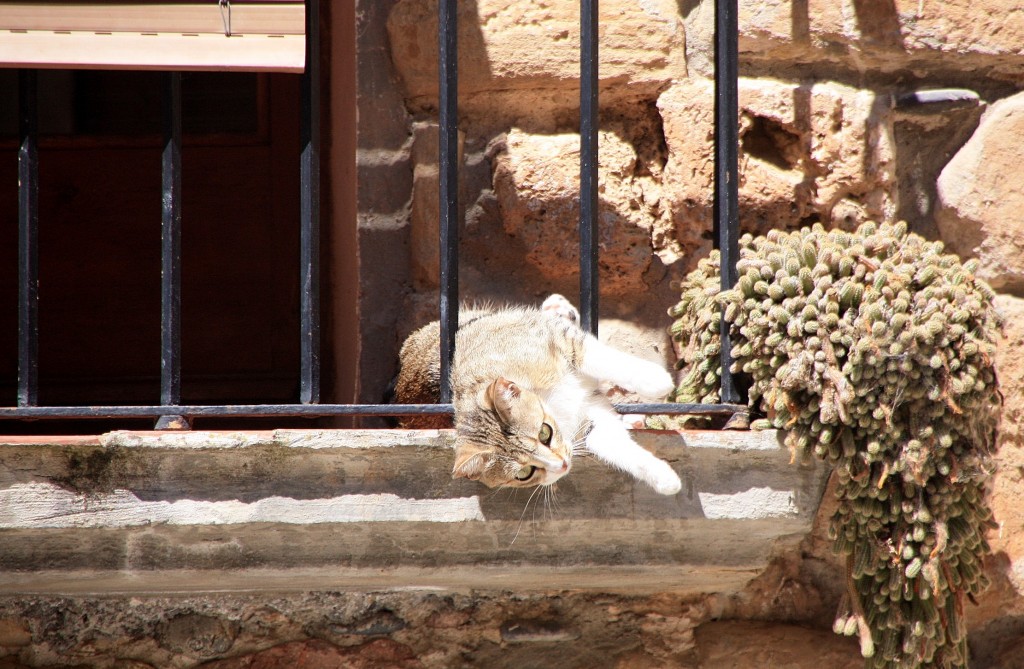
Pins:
x: 252, y: 35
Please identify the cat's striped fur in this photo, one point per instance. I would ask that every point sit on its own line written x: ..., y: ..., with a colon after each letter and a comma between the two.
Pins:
x: 525, y: 387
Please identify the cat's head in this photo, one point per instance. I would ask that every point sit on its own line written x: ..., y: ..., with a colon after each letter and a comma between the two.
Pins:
x: 509, y: 439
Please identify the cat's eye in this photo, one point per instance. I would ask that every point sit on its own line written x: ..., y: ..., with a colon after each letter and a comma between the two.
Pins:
x: 525, y: 473
x: 545, y: 434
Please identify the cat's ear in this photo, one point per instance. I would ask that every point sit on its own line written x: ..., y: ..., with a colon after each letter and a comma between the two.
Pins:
x: 501, y: 394
x: 470, y: 461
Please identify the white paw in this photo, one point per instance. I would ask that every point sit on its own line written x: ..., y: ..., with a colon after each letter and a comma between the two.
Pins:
x: 666, y: 481
x: 650, y: 380
x: 636, y: 421
x: 561, y: 307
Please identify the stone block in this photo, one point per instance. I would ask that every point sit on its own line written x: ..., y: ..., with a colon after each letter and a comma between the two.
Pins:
x: 14, y: 633
x: 360, y: 508
x: 535, y: 45
x: 862, y: 36
x: 1008, y: 482
x: 536, y: 181
x: 725, y: 645
x: 818, y: 151
x: 980, y: 202
x: 317, y: 654
x: 774, y: 29
x: 993, y: 29
x: 424, y: 217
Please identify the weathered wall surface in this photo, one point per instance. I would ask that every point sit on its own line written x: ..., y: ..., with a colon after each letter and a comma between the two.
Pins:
x: 835, y: 126
x: 354, y: 548
x: 830, y: 131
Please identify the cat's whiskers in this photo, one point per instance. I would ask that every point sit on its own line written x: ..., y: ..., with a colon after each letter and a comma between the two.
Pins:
x: 551, y: 502
x: 579, y: 449
x: 522, y: 515
x: 503, y: 488
x: 545, y: 504
x: 577, y: 446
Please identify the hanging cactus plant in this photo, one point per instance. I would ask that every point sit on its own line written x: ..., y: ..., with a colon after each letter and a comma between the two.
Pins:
x: 873, y: 351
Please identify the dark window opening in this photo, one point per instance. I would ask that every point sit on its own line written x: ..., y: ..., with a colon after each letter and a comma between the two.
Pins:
x: 100, y: 240
x: 129, y: 104
x: 250, y: 196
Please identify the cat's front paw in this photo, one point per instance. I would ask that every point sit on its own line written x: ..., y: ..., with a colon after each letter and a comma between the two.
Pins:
x: 561, y: 307
x: 650, y: 380
x: 666, y: 481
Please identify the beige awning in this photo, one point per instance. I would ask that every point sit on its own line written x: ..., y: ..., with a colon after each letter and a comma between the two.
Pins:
x: 253, y: 35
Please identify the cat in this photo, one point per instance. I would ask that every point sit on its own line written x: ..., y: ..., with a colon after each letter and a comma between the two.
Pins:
x: 525, y: 390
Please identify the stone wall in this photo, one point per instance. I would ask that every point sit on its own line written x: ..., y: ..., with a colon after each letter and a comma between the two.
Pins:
x: 355, y: 548
x: 839, y: 123
x: 849, y: 110
x: 833, y: 128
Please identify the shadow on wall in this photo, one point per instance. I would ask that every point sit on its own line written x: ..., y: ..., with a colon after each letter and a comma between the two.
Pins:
x: 879, y: 22
x: 994, y: 640
x: 412, y: 26
x: 811, y: 151
x: 926, y: 140
x: 384, y: 172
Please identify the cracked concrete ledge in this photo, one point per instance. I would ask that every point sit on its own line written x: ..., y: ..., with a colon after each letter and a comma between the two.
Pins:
x: 361, y: 509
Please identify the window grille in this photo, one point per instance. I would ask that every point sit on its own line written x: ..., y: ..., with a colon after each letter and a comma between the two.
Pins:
x: 170, y: 413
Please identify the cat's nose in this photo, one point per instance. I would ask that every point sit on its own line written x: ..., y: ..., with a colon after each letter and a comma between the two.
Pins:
x: 565, y: 466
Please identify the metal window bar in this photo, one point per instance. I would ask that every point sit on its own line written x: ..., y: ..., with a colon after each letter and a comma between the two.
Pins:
x: 448, y: 94
x: 726, y: 202
x: 726, y: 228
x: 170, y: 255
x: 309, y: 214
x: 589, y: 125
x: 726, y: 210
x: 28, y: 240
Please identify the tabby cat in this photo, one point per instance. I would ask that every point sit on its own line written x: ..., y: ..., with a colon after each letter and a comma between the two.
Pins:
x: 526, y: 396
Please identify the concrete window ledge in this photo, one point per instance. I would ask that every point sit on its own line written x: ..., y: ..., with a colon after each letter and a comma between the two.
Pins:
x: 294, y: 510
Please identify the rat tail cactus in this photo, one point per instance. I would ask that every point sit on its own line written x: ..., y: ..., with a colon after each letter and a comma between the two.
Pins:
x: 874, y: 351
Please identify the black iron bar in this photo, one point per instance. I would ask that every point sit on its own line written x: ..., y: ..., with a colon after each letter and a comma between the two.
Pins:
x: 449, y: 186
x: 726, y: 207
x: 309, y: 213
x: 311, y: 410
x: 28, y: 240
x: 589, y: 289
x: 170, y: 278
x: 225, y: 411
x: 680, y: 409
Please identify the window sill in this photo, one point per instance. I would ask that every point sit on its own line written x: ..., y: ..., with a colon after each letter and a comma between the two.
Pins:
x: 150, y: 512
